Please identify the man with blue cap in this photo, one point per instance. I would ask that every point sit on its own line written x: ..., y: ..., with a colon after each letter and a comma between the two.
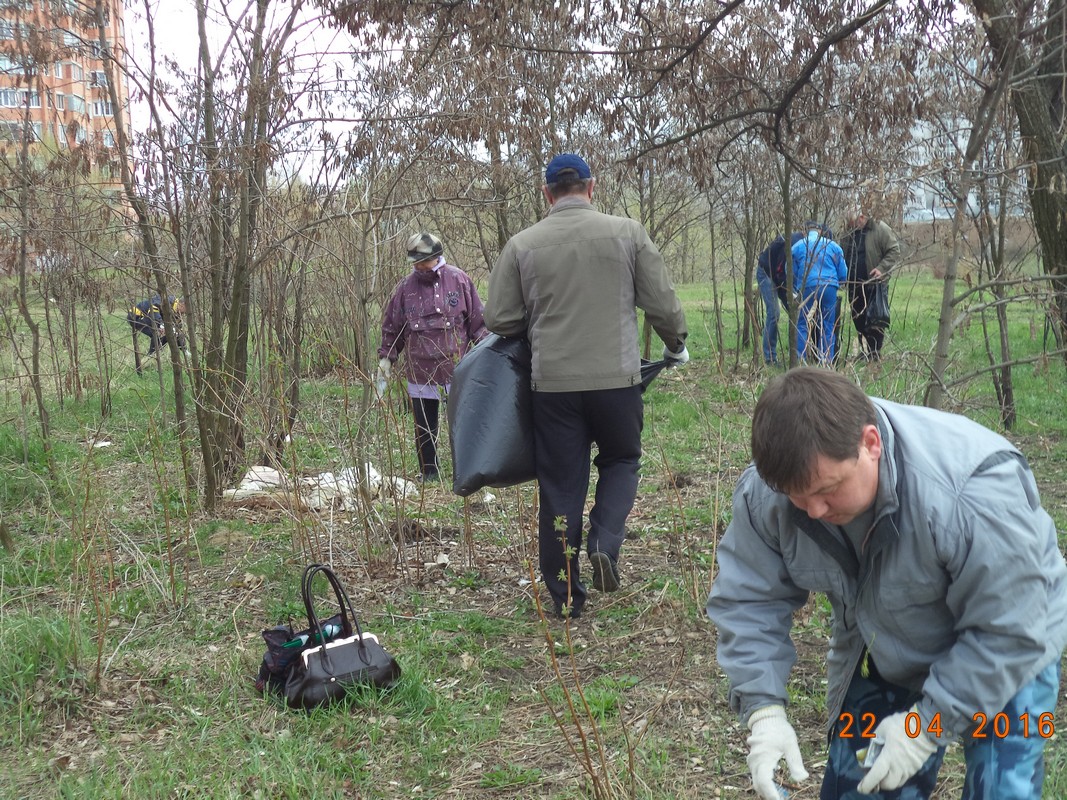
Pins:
x: 572, y: 284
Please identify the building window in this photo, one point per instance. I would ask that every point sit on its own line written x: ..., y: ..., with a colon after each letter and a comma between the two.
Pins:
x: 67, y: 7
x: 13, y: 66
x: 75, y: 103
x: 11, y: 131
x: 103, y: 108
x: 10, y: 29
x: 58, y: 71
x: 60, y: 101
x: 76, y: 72
x: 97, y: 77
x: 109, y: 139
x: 19, y: 98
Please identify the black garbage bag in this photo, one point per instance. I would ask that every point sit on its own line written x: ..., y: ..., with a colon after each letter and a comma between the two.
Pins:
x: 490, y: 416
x: 650, y: 369
x: 878, y: 311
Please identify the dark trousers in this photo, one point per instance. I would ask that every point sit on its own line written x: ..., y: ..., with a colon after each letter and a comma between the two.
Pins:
x: 871, y: 339
x: 149, y: 328
x: 566, y: 425
x: 427, y: 414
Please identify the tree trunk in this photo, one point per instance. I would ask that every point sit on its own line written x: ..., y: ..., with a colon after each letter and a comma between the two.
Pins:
x: 986, y: 113
x: 786, y: 185
x: 24, y: 199
x: 1039, y: 106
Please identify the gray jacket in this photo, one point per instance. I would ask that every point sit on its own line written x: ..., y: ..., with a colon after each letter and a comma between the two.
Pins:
x: 960, y: 591
x: 572, y: 283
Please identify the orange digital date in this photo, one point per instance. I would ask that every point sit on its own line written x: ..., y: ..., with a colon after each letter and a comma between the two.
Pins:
x: 1000, y: 726
x: 997, y: 726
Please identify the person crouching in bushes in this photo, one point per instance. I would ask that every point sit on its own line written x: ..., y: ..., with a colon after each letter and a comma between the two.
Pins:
x: 147, y: 317
x: 435, y: 316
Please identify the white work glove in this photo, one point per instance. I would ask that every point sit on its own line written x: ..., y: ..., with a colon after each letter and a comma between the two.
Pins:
x: 900, y: 758
x: 677, y: 358
x: 385, y: 369
x: 772, y: 739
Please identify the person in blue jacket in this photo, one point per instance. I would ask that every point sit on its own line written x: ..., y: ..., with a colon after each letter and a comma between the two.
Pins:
x: 819, y: 269
x: 770, y: 278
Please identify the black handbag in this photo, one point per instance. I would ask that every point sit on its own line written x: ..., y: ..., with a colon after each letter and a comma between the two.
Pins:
x: 878, y: 309
x: 284, y: 646
x: 329, y: 665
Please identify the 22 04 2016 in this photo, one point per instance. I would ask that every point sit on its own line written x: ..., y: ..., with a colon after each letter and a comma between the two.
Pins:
x: 998, y: 726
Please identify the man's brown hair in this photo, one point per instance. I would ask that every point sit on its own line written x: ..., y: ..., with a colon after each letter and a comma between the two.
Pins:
x: 805, y: 413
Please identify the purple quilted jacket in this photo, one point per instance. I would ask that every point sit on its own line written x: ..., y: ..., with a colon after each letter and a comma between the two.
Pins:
x: 435, y: 317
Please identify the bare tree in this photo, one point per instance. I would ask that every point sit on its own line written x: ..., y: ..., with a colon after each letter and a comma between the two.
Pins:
x: 241, y: 240
x: 1031, y: 50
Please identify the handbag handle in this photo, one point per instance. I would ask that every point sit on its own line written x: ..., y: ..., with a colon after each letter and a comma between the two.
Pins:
x: 349, y: 620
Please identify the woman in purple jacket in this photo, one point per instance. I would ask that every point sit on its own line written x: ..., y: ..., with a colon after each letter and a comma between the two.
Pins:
x: 435, y: 314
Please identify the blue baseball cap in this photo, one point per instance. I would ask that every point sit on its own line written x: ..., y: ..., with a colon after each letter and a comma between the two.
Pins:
x: 565, y: 162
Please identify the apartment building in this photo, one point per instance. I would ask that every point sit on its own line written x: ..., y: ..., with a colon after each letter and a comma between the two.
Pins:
x: 54, y: 75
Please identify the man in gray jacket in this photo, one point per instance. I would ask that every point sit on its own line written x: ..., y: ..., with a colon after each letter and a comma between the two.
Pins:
x: 572, y: 284
x: 949, y: 593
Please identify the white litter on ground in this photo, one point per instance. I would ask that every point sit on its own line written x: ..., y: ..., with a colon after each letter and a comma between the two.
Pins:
x: 326, y: 490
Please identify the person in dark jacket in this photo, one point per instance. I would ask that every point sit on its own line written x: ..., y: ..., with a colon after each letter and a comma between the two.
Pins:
x: 435, y: 317
x: 146, y: 317
x: 871, y: 252
x: 771, y: 280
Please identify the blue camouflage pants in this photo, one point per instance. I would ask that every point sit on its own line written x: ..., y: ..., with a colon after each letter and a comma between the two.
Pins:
x: 820, y: 302
x: 1007, y: 763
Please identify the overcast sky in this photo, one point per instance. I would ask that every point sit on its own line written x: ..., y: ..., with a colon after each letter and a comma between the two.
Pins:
x: 174, y: 21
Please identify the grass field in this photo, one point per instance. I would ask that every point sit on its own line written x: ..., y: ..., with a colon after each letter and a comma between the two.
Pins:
x: 130, y: 621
